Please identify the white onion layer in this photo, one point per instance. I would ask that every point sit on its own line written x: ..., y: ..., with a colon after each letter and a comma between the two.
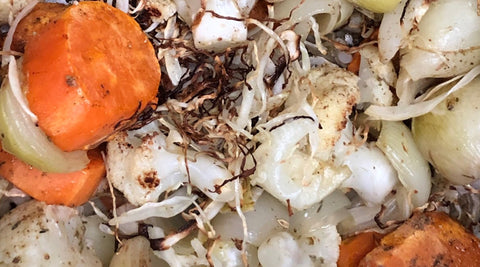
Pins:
x: 165, y: 209
x: 328, y: 14
x: 398, y: 113
x: 396, y: 141
x: 262, y: 221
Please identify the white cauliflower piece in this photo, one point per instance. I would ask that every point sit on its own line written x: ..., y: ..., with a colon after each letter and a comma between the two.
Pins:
x: 322, y: 245
x: 290, y: 174
x: 373, y: 177
x: 36, y: 234
x: 282, y: 250
x: 134, y: 252
x: 317, y: 247
x: 285, y: 168
x: 334, y: 92
x: 140, y: 165
x: 160, y: 10
x: 214, y: 33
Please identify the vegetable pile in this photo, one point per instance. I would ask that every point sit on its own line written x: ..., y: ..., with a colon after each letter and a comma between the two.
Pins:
x: 235, y: 133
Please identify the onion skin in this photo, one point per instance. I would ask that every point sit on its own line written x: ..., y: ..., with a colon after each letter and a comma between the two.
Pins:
x: 449, y: 136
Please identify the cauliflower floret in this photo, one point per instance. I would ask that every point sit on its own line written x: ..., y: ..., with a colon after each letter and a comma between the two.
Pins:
x: 318, y: 247
x: 213, y: 33
x: 281, y: 249
x: 373, y: 177
x: 141, y: 166
x: 160, y: 10
x: 334, y: 92
x: 135, y: 252
x: 286, y: 167
x: 44, y: 235
x: 291, y: 174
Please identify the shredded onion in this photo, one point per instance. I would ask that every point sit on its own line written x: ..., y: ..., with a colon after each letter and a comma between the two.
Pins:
x: 165, y: 209
x: 398, y: 113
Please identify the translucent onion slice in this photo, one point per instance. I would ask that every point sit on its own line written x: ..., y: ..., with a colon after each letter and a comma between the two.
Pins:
x: 22, y: 138
x: 396, y: 141
x: 424, y: 103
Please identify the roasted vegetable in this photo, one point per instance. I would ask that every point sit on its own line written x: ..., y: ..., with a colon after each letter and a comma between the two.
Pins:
x: 353, y: 249
x: 426, y: 239
x: 88, y: 72
x: 69, y: 189
x: 35, y: 234
x: 448, y: 136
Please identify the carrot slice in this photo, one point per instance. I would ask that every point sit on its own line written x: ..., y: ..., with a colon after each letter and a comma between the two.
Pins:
x: 90, y: 69
x: 354, y: 65
x: 426, y: 239
x: 71, y: 189
x: 353, y: 249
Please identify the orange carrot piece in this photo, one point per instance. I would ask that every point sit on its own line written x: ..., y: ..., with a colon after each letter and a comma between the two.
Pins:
x: 353, y: 249
x: 70, y: 189
x: 426, y: 239
x: 354, y: 65
x: 90, y: 69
